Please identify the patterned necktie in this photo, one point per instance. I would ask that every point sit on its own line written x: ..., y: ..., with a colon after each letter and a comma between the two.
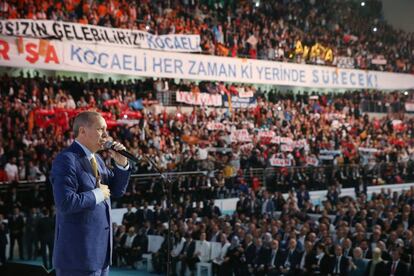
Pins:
x: 94, y: 166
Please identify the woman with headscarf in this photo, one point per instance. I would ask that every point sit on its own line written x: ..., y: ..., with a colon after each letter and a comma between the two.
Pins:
x: 234, y: 254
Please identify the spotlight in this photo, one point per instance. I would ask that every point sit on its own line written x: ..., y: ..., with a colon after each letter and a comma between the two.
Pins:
x: 362, y: 4
x: 257, y: 4
x: 405, y: 93
x: 147, y: 27
x: 374, y: 29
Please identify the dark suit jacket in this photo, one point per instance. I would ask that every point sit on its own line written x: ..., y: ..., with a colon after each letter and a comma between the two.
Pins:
x: 250, y: 253
x: 16, y: 226
x: 401, y: 270
x: 261, y: 256
x: 188, y: 249
x: 380, y: 269
x: 142, y: 216
x: 279, y: 259
x: 310, y: 260
x: 324, y: 266
x: 293, y: 258
x: 46, y: 229
x: 129, y: 219
x: 343, y: 265
x: 83, y: 228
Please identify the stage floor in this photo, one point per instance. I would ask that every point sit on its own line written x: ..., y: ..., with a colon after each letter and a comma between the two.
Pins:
x: 114, y: 271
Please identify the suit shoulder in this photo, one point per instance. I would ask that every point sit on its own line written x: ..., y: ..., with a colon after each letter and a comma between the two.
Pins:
x: 65, y: 158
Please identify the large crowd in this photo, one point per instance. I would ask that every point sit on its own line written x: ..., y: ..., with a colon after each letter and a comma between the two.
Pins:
x: 328, y: 124
x: 312, y: 31
x: 298, y: 141
x: 290, y: 135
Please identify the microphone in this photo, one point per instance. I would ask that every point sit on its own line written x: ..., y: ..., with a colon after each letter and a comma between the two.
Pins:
x: 110, y: 145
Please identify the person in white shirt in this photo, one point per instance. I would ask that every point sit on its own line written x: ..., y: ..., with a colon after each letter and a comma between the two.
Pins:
x: 220, y: 259
x: 11, y: 170
x: 203, y: 249
x: 128, y: 243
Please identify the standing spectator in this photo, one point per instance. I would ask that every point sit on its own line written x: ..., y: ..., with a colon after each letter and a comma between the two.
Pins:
x: 11, y: 170
x: 358, y: 265
x: 16, y: 225
x: 396, y: 267
x: 203, y: 249
x: 46, y: 230
x: 340, y: 263
x: 376, y: 267
x: 3, y: 240
x: 31, y: 234
x: 129, y: 218
x: 187, y: 255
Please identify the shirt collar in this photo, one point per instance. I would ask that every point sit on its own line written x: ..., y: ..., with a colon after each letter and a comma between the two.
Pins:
x: 88, y: 153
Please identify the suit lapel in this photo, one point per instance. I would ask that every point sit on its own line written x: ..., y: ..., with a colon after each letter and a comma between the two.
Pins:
x: 83, y: 160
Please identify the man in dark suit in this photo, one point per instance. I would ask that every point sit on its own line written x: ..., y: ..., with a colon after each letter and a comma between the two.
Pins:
x: 307, y: 260
x: 82, y: 186
x: 31, y: 234
x: 46, y: 230
x: 302, y: 195
x: 340, y: 263
x: 145, y: 214
x: 396, y: 267
x: 292, y: 260
x: 249, y: 250
x: 376, y: 266
x: 186, y: 256
x: 276, y: 259
x: 323, y: 261
x: 16, y: 226
x: 131, y: 246
x: 3, y: 240
x: 129, y: 218
x: 260, y: 260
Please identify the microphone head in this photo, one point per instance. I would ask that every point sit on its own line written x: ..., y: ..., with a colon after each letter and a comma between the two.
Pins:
x: 108, y: 145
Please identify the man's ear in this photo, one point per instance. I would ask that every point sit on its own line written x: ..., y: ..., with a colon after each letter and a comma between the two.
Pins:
x: 82, y: 131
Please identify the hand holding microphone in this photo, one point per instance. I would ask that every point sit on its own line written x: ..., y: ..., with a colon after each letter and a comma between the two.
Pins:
x: 118, y: 151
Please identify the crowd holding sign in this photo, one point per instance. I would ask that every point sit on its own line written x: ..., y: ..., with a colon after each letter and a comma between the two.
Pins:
x: 240, y: 135
x: 203, y: 99
x: 215, y: 126
x: 239, y: 102
x: 60, y: 30
x: 279, y: 162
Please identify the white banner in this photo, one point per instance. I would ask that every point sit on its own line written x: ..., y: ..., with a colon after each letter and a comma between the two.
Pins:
x: 312, y: 161
x: 409, y: 107
x: 247, y: 94
x: 279, y: 162
x: 266, y: 134
x: 50, y: 29
x: 203, y: 99
x: 368, y: 150
x: 238, y: 102
x: 82, y: 57
x: 240, y: 135
x: 215, y: 126
x: 286, y: 147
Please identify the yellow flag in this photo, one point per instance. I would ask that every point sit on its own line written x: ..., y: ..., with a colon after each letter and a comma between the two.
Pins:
x: 305, y: 52
x: 298, y: 48
x: 329, y: 55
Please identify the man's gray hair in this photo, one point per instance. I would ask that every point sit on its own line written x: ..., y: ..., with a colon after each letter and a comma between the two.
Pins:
x: 84, y: 119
